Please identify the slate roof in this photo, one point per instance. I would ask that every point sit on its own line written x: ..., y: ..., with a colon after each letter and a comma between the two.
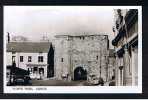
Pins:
x: 28, y: 47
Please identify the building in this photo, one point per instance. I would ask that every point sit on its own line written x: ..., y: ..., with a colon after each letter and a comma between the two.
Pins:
x: 80, y: 57
x: 111, y: 64
x: 126, y: 46
x: 31, y: 56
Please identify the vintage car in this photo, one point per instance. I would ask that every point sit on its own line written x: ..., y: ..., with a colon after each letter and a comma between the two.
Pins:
x: 93, y: 80
x: 22, y: 80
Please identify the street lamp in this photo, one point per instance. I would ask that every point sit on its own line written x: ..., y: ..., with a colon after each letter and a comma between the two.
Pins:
x: 13, y: 66
x: 106, y: 66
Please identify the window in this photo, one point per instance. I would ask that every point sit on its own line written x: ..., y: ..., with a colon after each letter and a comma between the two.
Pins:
x: 31, y: 69
x: 29, y: 58
x: 61, y: 59
x: 35, y: 69
x: 28, y: 69
x: 97, y: 57
x: 13, y: 58
x: 41, y: 71
x: 83, y: 37
x: 40, y: 58
x: 21, y: 58
x: 8, y: 75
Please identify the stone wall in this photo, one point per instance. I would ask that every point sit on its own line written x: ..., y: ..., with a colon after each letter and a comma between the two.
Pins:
x: 86, y: 51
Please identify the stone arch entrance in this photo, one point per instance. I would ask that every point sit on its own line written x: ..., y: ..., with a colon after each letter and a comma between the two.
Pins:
x: 80, y: 73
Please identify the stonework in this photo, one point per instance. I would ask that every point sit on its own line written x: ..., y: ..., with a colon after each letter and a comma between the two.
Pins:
x: 86, y: 51
x: 126, y: 47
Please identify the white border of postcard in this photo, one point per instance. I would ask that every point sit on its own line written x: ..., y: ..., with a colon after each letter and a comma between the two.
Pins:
x: 83, y: 89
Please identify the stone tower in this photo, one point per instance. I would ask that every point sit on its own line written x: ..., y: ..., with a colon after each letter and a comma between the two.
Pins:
x: 82, y: 54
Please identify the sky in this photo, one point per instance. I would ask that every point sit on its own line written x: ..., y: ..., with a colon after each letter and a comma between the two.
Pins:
x: 35, y: 22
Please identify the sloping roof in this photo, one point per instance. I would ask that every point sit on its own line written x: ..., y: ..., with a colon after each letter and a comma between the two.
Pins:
x: 29, y: 47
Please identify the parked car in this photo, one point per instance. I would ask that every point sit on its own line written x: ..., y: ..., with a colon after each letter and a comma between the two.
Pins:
x: 101, y: 81
x: 22, y: 80
x: 19, y: 81
x: 93, y: 80
x: 27, y: 79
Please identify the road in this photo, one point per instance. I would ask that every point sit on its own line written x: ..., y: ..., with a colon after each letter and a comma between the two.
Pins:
x: 52, y: 82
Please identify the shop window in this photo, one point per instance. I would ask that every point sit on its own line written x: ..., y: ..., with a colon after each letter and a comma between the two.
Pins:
x: 28, y: 69
x: 35, y: 69
x: 41, y: 71
x: 31, y: 69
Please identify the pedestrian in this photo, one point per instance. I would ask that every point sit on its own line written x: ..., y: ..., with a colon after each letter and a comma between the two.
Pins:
x: 101, y: 81
x: 112, y: 83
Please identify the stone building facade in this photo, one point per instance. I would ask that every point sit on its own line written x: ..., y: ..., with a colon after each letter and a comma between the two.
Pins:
x: 111, y: 65
x: 78, y: 57
x: 126, y: 46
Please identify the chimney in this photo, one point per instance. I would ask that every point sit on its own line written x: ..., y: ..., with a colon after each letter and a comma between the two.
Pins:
x: 8, y: 37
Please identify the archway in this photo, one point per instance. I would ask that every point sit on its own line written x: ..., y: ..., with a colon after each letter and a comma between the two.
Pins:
x: 80, y: 74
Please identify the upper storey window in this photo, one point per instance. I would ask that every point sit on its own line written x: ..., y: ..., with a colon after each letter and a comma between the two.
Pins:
x: 29, y: 58
x: 21, y: 59
x: 40, y: 59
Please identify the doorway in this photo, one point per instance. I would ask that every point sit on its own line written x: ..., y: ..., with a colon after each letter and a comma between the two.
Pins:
x: 80, y: 74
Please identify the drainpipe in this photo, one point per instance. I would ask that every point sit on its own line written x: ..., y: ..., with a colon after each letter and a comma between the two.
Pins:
x: 126, y: 76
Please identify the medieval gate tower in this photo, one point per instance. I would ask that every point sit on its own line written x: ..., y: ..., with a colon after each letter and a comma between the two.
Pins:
x: 80, y: 55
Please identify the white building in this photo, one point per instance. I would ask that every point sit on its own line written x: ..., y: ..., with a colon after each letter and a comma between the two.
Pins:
x: 82, y: 54
x: 30, y: 56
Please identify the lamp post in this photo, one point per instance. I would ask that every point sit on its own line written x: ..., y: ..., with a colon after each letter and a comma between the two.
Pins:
x: 100, y: 59
x: 13, y: 66
x: 106, y: 63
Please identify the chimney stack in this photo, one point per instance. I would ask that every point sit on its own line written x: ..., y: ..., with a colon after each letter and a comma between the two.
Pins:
x: 8, y: 37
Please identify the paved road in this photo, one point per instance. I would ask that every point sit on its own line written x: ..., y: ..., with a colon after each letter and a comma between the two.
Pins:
x: 53, y: 82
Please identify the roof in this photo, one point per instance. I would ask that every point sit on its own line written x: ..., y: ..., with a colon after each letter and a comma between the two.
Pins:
x: 86, y: 35
x: 18, y: 71
x: 29, y: 47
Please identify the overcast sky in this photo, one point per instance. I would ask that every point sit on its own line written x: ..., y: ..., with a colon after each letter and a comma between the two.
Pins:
x: 35, y: 21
